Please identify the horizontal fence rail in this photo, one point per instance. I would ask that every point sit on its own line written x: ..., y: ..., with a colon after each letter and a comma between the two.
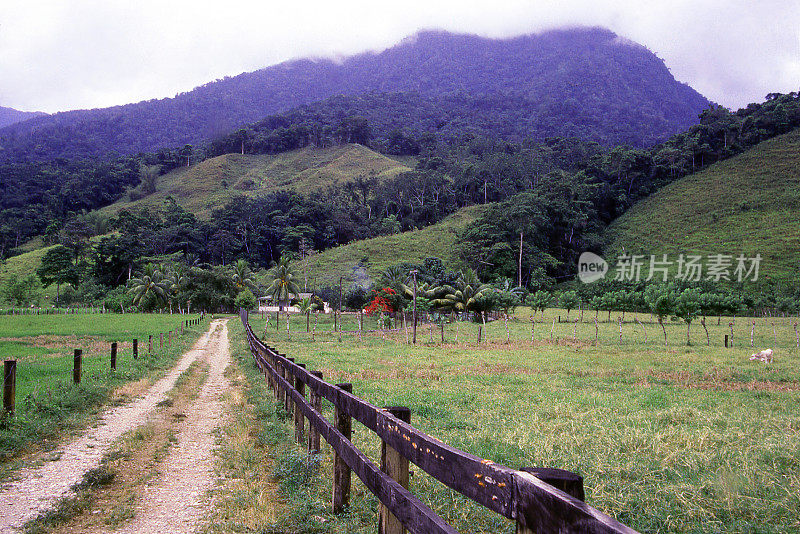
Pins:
x: 534, y: 504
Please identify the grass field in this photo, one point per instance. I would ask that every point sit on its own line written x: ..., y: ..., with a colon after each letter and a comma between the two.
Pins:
x: 371, y: 257
x: 669, y: 439
x: 47, y: 403
x: 746, y: 204
x: 211, y: 183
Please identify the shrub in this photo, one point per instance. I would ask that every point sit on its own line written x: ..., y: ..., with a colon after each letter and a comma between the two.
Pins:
x: 245, y: 299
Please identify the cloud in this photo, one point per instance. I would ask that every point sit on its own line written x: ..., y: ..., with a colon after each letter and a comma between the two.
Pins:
x: 57, y: 55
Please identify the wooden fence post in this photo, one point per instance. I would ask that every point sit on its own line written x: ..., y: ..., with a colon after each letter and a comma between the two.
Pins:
x: 396, y: 466
x: 287, y: 399
x: 341, y: 472
x: 267, y: 375
x: 275, y: 385
x: 279, y: 392
x: 150, y: 344
x: 567, y: 481
x: 299, y: 420
x: 316, y: 403
x: 135, y: 348
x: 161, y: 340
x: 531, y: 518
x: 114, y: 356
x: 76, y: 367
x: 9, y: 386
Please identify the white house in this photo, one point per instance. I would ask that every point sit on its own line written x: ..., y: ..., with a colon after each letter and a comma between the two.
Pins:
x: 265, y: 304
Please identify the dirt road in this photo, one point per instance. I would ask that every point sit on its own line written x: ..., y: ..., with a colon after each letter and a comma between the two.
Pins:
x: 175, y: 501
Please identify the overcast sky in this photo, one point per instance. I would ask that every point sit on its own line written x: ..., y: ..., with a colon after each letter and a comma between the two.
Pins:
x: 68, y: 54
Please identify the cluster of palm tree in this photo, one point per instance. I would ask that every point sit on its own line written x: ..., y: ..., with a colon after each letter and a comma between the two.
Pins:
x: 467, y: 294
x: 158, y: 285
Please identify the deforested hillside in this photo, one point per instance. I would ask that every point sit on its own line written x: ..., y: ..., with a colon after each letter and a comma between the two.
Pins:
x: 747, y: 205
x: 212, y: 183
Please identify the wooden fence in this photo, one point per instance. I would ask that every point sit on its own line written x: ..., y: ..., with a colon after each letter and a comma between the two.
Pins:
x: 10, y: 366
x: 532, y: 503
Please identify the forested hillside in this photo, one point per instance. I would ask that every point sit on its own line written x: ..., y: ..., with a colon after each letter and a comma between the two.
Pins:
x: 578, y: 82
x: 353, y: 200
x: 9, y: 116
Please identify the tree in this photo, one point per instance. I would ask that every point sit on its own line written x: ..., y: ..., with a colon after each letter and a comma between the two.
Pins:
x: 661, y: 301
x: 568, y: 300
x: 242, y: 276
x: 150, y: 285
x: 283, y: 284
x: 607, y: 302
x: 464, y: 297
x: 506, y: 301
x: 540, y: 300
x: 306, y: 306
x: 57, y: 268
x: 245, y: 299
x: 173, y: 283
x: 688, y: 307
x: 21, y: 291
x: 396, y: 277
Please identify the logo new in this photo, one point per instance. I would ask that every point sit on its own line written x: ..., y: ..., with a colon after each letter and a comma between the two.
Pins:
x: 591, y: 267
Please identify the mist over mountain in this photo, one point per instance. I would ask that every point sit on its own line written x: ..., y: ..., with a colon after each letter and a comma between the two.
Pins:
x: 9, y: 116
x: 584, y: 82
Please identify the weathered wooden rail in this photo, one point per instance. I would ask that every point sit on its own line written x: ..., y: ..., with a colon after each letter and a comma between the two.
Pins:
x: 535, y: 505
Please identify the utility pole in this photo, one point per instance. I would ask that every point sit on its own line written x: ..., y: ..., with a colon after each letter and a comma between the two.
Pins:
x: 414, y: 274
x: 340, y: 306
x: 519, y: 267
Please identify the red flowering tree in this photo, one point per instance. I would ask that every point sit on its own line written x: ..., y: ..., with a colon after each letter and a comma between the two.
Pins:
x: 385, y: 300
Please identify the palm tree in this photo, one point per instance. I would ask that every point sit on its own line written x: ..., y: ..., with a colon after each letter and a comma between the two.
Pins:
x: 150, y: 282
x: 242, y: 276
x: 283, y: 285
x: 396, y: 278
x: 464, y: 297
x: 306, y: 305
x: 173, y: 282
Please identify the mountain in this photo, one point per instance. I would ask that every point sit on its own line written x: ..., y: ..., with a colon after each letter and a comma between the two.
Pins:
x: 744, y: 205
x: 585, y: 82
x: 9, y: 116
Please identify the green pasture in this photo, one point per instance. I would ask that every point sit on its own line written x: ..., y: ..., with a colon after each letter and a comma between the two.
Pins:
x: 47, y: 401
x: 668, y: 439
x: 744, y: 205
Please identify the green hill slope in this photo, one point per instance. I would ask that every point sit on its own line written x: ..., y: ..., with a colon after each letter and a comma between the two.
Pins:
x: 748, y: 204
x: 368, y: 258
x: 211, y: 183
x: 24, y: 264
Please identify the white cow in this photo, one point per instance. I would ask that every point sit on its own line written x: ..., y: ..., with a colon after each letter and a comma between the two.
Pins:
x: 764, y: 356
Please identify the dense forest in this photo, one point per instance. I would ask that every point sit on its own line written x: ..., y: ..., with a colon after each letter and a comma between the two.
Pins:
x: 578, y: 82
